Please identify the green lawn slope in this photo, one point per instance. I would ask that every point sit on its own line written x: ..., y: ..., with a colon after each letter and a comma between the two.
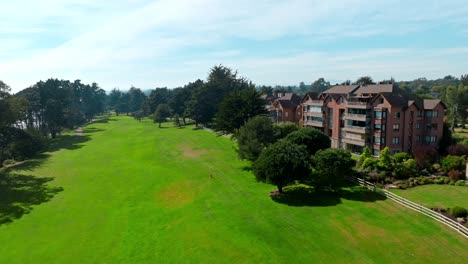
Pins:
x: 128, y: 192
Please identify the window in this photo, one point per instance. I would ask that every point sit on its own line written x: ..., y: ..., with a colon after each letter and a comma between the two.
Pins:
x: 341, y: 100
x: 435, y: 114
x: 434, y: 126
x: 377, y: 127
x: 418, y: 126
x: 420, y: 113
x: 397, y: 115
x: 381, y: 101
x: 376, y: 140
x: 396, y: 127
x: 396, y: 140
x: 430, y: 139
x: 428, y: 126
x: 418, y: 138
x: 376, y: 152
x: 286, y: 114
x: 378, y: 114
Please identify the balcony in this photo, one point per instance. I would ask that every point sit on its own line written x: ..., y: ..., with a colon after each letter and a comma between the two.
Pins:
x: 355, y: 141
x: 313, y: 123
x: 317, y: 114
x: 358, y: 105
x: 356, y: 117
x: 356, y: 129
x: 314, y: 102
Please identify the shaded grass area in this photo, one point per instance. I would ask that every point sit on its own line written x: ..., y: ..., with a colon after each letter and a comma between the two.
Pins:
x: 304, y: 195
x: 134, y: 193
x: 19, y: 193
x: 435, y: 195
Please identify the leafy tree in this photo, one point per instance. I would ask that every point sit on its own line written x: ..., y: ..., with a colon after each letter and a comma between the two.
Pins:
x: 366, y: 153
x: 176, y: 120
x: 464, y: 79
x: 331, y: 166
x: 138, y: 115
x: 254, y: 136
x: 385, y: 159
x: 311, y: 138
x: 282, y: 163
x: 161, y: 113
x: 405, y: 169
x: 137, y: 98
x: 114, y: 98
x: 158, y: 96
x: 283, y: 129
x: 365, y: 80
x: 266, y: 90
x: 424, y: 156
x: 237, y: 108
x: 182, y: 97
x: 319, y: 85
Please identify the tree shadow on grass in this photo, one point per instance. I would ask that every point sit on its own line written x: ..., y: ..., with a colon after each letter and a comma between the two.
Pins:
x: 103, y: 120
x: 19, y: 193
x: 68, y: 142
x: 304, y: 195
x: 89, y: 130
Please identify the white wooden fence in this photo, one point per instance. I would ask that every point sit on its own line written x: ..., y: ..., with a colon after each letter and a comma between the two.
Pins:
x: 414, y: 206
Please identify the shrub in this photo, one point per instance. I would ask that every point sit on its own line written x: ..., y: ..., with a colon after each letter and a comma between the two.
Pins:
x: 457, y: 150
x: 460, y: 183
x: 424, y: 156
x: 255, y: 135
x: 369, y: 163
x: 28, y: 144
x: 455, y: 175
x: 8, y: 162
x: 439, y: 180
x: 458, y: 211
x: 400, y: 157
x: 366, y: 153
x: 284, y: 129
x: 453, y: 163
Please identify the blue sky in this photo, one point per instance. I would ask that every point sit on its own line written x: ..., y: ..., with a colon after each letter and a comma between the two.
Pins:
x: 164, y: 43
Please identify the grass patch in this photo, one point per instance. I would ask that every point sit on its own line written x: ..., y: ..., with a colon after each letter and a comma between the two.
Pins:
x: 435, y: 195
x: 127, y: 193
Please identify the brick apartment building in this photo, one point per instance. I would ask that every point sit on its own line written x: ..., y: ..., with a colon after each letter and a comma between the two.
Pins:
x: 283, y: 107
x: 377, y: 116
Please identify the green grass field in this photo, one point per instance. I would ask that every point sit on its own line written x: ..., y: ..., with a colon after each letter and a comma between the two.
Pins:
x: 434, y: 195
x: 128, y: 192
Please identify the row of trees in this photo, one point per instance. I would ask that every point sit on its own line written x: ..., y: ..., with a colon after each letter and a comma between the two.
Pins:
x: 44, y: 109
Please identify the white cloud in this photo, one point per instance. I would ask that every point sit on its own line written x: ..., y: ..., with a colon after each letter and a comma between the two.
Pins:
x: 168, y: 43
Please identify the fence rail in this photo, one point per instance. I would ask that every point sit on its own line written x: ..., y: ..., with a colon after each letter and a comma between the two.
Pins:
x: 414, y: 206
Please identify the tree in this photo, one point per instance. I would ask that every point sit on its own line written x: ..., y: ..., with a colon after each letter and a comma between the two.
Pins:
x: 385, y: 159
x: 255, y: 135
x: 319, y: 85
x: 158, y: 96
x: 311, y: 138
x: 331, y: 166
x: 464, y: 79
x: 181, y: 98
x: 237, y: 108
x: 283, y: 129
x: 137, y: 98
x: 365, y: 80
x: 176, y: 120
x: 366, y: 153
x: 282, y: 163
x: 161, y: 113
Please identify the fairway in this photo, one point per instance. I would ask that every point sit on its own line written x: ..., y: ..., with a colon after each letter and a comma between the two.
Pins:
x: 440, y: 196
x: 130, y: 192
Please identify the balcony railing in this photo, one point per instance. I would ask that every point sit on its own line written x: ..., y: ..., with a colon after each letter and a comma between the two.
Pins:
x: 355, y: 141
x: 314, y: 123
x: 357, y: 129
x: 357, y: 117
x: 360, y: 105
x: 318, y: 114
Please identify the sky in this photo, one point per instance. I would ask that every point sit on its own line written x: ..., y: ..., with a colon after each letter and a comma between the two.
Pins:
x: 168, y: 43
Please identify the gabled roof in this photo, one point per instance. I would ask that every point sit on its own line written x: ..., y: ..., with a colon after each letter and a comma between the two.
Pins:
x: 341, y: 89
x: 375, y: 88
x: 312, y: 96
x: 432, y: 103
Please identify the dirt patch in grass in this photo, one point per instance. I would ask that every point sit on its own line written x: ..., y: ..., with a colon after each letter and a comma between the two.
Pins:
x: 176, y: 195
x: 189, y: 152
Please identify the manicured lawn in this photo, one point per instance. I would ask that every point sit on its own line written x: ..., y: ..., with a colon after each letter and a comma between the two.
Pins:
x: 434, y: 195
x: 128, y: 192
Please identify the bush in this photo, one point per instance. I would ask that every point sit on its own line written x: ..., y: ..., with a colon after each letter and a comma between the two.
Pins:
x: 455, y: 175
x: 369, y: 163
x: 28, y: 144
x: 8, y: 162
x: 458, y: 211
x: 453, y: 163
x: 457, y: 150
x: 425, y: 156
x: 460, y: 183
